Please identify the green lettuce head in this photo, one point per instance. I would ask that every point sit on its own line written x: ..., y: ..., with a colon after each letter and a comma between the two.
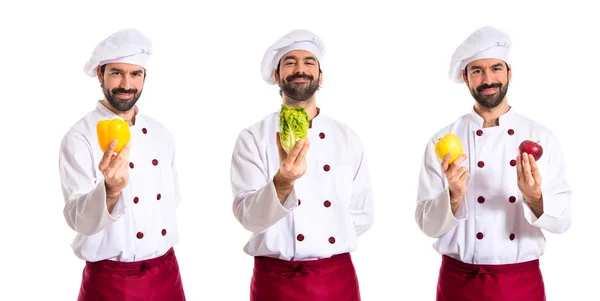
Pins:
x: 293, y: 126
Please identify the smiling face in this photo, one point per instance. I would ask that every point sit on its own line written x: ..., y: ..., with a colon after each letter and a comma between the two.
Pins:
x: 299, y: 75
x: 488, y: 81
x: 122, y: 84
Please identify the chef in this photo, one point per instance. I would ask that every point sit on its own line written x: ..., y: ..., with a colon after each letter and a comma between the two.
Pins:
x: 306, y: 209
x: 122, y: 204
x: 490, y: 207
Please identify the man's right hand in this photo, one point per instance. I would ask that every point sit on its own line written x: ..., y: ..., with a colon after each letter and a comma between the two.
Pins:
x: 291, y: 167
x: 457, y: 176
x: 114, y: 169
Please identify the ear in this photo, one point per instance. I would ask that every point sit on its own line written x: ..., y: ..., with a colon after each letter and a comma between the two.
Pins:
x: 465, y: 77
x: 320, y: 77
x: 509, y: 73
x: 276, y: 75
x: 99, y: 74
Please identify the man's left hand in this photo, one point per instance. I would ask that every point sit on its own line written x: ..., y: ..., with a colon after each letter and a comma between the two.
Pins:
x: 530, y: 182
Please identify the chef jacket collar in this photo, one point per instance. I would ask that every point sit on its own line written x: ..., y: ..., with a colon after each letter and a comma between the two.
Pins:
x: 311, y: 123
x: 506, y: 119
x: 106, y: 112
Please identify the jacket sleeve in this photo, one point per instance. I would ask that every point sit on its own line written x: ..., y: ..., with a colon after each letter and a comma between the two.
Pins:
x: 433, y: 213
x: 255, y: 202
x: 556, y: 193
x: 361, y: 206
x: 176, y: 183
x: 84, y: 191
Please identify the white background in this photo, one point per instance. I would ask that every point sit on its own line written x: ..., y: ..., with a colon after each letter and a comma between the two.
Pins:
x: 385, y: 75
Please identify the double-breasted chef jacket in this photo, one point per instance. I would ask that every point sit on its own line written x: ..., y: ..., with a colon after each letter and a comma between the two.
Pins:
x: 143, y: 223
x: 329, y: 206
x: 493, y: 223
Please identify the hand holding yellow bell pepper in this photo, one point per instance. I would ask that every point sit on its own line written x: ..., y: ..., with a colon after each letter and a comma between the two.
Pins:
x: 109, y: 130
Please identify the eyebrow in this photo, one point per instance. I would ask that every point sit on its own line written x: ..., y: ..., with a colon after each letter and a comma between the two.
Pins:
x: 493, y: 66
x: 119, y: 70
x: 293, y: 57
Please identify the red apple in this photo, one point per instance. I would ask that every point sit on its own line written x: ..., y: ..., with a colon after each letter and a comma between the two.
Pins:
x: 531, y: 148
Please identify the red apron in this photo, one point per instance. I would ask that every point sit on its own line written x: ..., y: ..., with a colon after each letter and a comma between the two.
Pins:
x: 315, y: 280
x: 469, y: 282
x: 156, y: 279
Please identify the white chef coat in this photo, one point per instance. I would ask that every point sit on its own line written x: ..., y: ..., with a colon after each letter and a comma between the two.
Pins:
x: 329, y: 206
x: 142, y: 225
x: 493, y: 224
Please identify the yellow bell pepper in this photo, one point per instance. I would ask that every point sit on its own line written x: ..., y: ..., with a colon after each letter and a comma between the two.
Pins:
x: 109, y: 130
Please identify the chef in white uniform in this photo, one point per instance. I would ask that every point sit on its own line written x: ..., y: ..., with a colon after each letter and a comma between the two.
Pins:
x: 489, y: 209
x: 305, y: 210
x: 122, y: 209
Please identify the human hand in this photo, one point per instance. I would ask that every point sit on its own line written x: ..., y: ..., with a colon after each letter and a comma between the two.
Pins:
x: 529, y: 179
x: 457, y: 176
x: 114, y: 169
x: 292, y: 166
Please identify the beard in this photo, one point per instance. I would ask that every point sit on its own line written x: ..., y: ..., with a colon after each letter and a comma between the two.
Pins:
x: 299, y: 92
x: 489, y: 101
x: 121, y: 104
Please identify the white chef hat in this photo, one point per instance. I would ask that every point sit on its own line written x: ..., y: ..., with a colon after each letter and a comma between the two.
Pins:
x: 300, y: 39
x: 486, y: 42
x: 125, y: 46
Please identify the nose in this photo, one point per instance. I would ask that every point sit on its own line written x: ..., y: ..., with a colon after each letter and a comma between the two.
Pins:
x: 125, y: 83
x: 299, y: 68
x: 487, y: 78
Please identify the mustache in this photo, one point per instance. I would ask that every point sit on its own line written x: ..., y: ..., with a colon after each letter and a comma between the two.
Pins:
x: 121, y: 90
x: 295, y: 76
x: 486, y: 86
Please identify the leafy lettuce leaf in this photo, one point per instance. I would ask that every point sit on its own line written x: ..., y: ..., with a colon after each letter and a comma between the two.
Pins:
x: 293, y: 126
